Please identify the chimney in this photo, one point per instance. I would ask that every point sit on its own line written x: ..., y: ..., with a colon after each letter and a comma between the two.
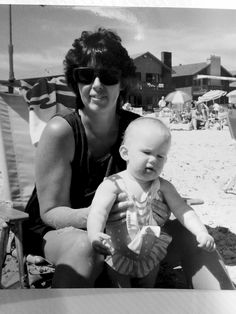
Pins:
x: 215, y: 65
x: 215, y: 69
x: 166, y: 58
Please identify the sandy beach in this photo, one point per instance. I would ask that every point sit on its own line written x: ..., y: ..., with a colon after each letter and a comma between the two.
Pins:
x: 201, y: 164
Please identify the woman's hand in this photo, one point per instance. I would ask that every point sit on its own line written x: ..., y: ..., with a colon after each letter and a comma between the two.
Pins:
x: 120, y: 207
x: 161, y: 211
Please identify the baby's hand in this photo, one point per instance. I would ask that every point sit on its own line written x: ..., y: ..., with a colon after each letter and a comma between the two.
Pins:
x: 206, y: 242
x: 102, y: 244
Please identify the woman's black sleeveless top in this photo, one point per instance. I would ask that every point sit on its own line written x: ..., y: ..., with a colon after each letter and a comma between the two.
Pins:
x: 87, y: 174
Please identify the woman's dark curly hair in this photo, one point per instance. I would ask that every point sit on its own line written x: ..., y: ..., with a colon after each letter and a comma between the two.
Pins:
x: 104, y: 48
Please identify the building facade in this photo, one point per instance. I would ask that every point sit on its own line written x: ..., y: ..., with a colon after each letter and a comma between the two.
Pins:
x: 198, y: 78
x: 154, y: 79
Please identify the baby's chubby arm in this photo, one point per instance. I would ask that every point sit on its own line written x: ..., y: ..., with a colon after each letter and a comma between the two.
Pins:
x: 186, y: 215
x: 102, y: 203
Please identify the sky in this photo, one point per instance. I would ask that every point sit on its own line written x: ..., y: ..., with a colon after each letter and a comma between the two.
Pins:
x: 43, y: 34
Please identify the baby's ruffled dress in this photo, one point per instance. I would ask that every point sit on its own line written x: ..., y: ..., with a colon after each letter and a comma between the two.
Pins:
x: 138, y: 242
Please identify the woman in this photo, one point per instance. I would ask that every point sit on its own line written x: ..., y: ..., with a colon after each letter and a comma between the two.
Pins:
x: 196, y: 116
x: 76, y: 151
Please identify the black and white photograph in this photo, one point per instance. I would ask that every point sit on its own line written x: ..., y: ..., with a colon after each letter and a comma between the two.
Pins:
x: 117, y: 157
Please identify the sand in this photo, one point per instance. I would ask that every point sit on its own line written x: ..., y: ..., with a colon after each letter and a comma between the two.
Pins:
x: 200, y: 165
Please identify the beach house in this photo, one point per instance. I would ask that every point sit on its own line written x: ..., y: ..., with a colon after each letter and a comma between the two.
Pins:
x: 154, y: 79
x: 198, y: 78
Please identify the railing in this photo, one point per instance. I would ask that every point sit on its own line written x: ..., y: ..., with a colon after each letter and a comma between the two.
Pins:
x: 147, y: 85
x: 205, y: 88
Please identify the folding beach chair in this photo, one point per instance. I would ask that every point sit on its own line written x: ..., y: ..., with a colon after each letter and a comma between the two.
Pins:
x: 21, y: 123
x: 16, y: 165
x: 231, y: 119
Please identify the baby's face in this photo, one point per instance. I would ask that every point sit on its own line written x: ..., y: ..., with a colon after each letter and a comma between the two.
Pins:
x: 147, y: 153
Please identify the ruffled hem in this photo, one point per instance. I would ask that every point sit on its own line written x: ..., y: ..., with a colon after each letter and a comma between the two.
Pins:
x: 143, y: 264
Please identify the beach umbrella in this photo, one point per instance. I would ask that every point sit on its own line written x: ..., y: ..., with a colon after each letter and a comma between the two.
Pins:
x: 232, y: 93
x: 211, y: 95
x: 232, y: 97
x: 178, y: 97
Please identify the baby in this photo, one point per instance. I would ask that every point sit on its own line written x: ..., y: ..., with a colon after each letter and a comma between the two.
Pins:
x: 135, y: 245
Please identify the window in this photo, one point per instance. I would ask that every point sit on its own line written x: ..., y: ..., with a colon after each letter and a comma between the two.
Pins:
x: 138, y: 76
x: 152, y: 77
x: 149, y: 101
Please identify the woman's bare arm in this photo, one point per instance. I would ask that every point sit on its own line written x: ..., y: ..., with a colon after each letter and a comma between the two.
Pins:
x: 54, y: 155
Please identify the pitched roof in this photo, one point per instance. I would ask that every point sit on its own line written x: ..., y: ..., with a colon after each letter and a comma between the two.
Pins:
x: 138, y: 55
x: 233, y: 72
x: 188, y: 69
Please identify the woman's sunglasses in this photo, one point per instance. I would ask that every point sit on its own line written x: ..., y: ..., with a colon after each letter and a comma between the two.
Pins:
x: 86, y: 75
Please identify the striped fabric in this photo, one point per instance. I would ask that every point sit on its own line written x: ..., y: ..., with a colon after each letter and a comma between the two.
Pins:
x: 211, y: 95
x: 46, y: 98
x: 142, y: 264
x: 139, y: 243
x: 16, y: 151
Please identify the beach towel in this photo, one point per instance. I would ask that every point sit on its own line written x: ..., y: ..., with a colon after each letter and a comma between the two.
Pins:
x: 45, y: 98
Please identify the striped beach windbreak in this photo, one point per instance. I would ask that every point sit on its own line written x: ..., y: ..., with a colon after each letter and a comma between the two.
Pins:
x: 46, y: 98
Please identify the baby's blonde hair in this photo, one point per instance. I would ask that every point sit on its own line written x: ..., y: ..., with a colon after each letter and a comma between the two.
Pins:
x: 147, y: 121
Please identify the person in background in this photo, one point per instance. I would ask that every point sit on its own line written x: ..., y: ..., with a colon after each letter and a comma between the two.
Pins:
x: 162, y: 102
x: 76, y: 152
x: 196, y: 116
x: 216, y: 108
x: 127, y: 106
x: 205, y: 114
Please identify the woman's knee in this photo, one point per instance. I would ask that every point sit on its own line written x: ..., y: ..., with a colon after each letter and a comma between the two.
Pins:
x: 68, y: 246
x: 71, y: 251
x: 79, y: 255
